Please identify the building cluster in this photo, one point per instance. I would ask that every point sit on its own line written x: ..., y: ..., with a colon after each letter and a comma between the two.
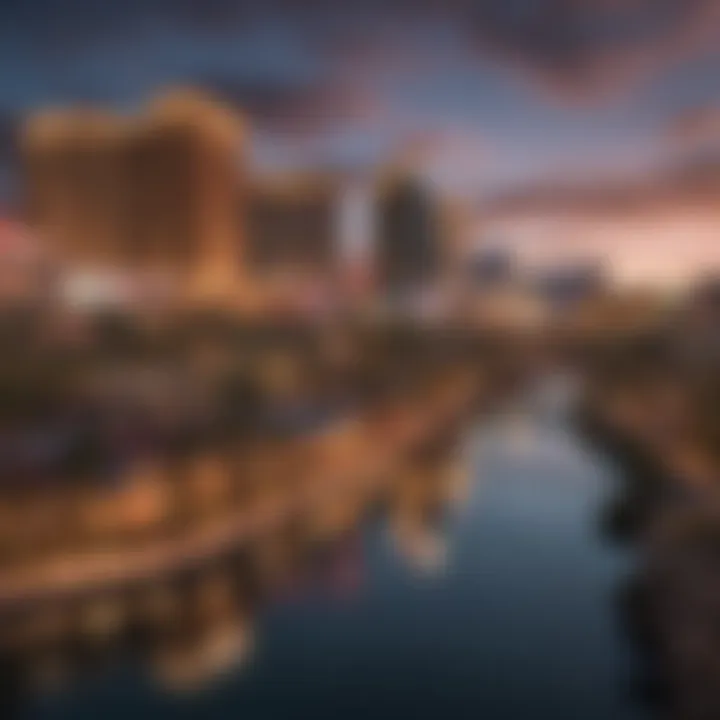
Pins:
x: 164, y: 206
x: 501, y: 291
x: 165, y: 198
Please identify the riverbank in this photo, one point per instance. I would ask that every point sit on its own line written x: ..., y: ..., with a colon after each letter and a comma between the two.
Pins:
x: 134, y: 531
x: 668, y: 505
x: 474, y: 597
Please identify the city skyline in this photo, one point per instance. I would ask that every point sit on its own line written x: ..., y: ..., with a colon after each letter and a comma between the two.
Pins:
x: 488, y: 98
x: 497, y: 93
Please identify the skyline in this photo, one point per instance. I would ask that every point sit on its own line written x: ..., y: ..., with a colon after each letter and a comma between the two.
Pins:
x: 491, y: 100
x: 498, y: 94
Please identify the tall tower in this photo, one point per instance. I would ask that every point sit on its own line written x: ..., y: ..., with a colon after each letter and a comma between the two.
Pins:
x: 70, y: 193
x: 190, y: 150
x: 408, y: 236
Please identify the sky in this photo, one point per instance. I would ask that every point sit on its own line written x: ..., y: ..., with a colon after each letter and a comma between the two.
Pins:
x: 491, y: 94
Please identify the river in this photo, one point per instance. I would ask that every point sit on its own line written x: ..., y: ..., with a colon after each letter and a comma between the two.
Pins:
x: 509, y: 613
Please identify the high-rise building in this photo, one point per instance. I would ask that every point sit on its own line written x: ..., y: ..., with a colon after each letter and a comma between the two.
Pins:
x: 408, y: 248
x: 156, y: 193
x: 292, y: 224
x: 69, y: 173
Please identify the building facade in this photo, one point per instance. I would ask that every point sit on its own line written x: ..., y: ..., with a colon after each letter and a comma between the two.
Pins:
x: 408, y: 243
x: 292, y: 224
x: 152, y: 194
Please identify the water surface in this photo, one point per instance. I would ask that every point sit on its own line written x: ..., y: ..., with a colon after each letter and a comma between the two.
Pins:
x: 517, y: 621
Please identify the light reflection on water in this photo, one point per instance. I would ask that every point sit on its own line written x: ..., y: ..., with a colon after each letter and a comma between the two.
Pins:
x: 500, y: 606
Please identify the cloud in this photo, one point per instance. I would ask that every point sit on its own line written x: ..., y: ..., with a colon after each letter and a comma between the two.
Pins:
x: 291, y: 106
x: 696, y: 126
x: 689, y: 181
x: 588, y: 48
x: 302, y: 69
x: 571, y: 48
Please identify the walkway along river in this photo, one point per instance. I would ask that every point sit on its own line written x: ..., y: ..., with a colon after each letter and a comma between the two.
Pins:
x: 502, y: 607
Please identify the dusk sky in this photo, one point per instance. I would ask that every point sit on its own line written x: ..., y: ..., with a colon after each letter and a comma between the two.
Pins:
x: 497, y: 92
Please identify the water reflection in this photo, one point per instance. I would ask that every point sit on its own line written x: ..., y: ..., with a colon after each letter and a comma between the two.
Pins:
x: 188, y: 627
x: 428, y: 490
x: 469, y: 579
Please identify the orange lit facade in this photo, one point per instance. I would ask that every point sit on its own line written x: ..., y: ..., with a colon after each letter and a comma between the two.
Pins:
x: 156, y: 194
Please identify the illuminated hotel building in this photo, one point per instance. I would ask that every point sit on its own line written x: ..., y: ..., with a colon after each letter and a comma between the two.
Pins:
x: 69, y: 179
x: 153, y: 194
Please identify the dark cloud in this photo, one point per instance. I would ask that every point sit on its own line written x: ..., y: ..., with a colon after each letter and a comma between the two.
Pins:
x: 290, y: 106
x: 50, y: 29
x: 582, y: 47
x: 575, y: 46
x: 59, y: 30
x: 306, y: 67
